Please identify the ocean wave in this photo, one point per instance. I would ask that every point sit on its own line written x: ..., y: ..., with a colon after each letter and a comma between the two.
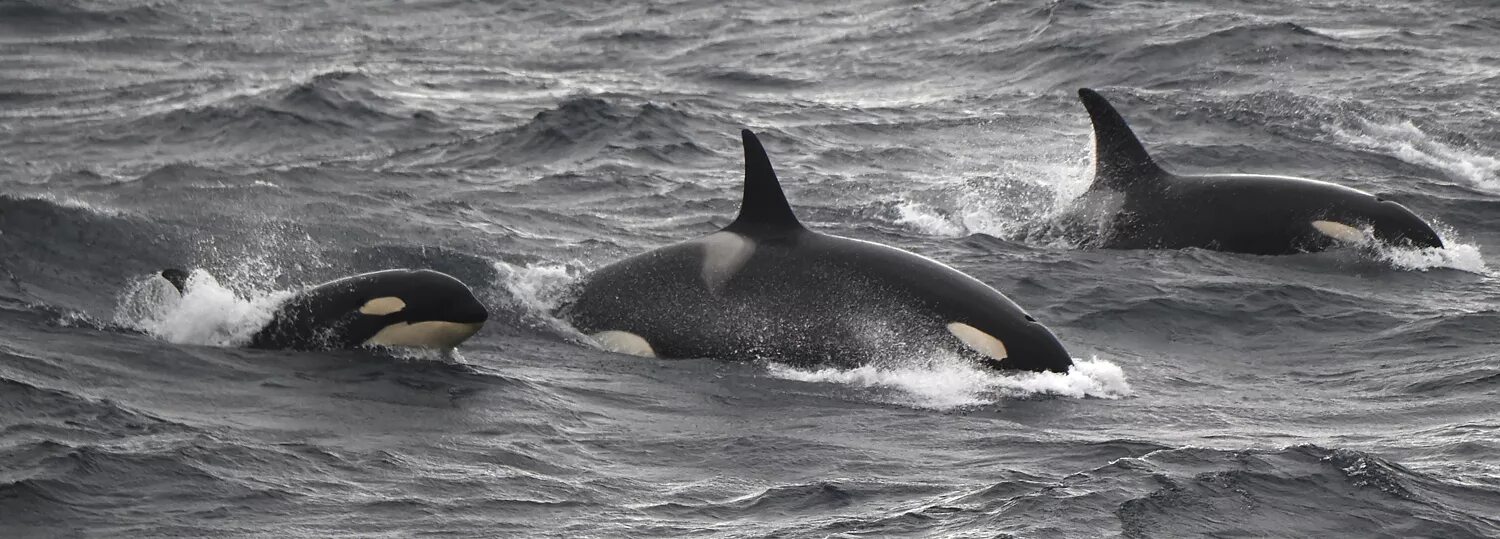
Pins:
x: 1406, y: 141
x: 1190, y: 492
x: 71, y: 415
x: 55, y: 16
x: 333, y: 114
x: 795, y: 501
x: 339, y: 101
x: 67, y: 252
x: 1260, y: 38
x: 82, y: 483
x: 635, y: 36
x: 577, y: 130
x: 1207, y: 492
x: 749, y: 79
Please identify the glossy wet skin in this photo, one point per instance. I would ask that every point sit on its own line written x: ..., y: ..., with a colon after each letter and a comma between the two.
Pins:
x: 1267, y: 215
x: 811, y: 299
x: 766, y: 287
x: 1246, y: 213
x: 420, y: 308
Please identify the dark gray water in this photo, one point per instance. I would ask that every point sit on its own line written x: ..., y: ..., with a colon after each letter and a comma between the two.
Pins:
x: 516, y: 145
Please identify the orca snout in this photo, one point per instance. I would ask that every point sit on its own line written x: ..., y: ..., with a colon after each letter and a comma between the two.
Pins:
x: 1399, y: 226
x: 1037, y: 349
x: 439, y: 297
x: 467, y: 309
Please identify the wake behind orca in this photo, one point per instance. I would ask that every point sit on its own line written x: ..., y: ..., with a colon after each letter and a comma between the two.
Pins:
x: 398, y: 307
x: 767, y: 287
x: 1245, y: 213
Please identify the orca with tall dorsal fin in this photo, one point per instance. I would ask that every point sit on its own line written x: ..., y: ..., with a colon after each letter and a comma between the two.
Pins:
x: 766, y: 287
x: 1243, y: 213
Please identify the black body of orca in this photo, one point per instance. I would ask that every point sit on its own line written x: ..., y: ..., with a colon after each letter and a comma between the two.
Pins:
x: 1151, y: 208
x: 766, y: 287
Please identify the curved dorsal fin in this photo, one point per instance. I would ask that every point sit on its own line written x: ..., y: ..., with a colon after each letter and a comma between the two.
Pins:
x: 764, y: 206
x: 1120, y: 161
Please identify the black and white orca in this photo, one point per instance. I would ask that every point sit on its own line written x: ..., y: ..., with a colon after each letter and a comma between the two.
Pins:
x: 398, y: 307
x: 767, y: 287
x: 1150, y: 208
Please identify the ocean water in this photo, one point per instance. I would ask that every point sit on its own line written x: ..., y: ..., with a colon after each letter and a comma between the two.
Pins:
x: 517, y: 145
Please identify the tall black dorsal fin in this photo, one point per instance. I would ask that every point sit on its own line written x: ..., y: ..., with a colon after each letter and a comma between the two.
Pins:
x: 1120, y: 161
x: 764, y: 206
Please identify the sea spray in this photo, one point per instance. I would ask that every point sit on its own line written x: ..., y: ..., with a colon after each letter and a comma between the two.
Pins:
x: 206, y: 312
x: 944, y: 381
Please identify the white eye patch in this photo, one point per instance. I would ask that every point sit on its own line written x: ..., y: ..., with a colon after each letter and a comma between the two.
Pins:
x: 1341, y: 231
x: 978, y: 341
x: 382, y: 306
x: 624, y: 342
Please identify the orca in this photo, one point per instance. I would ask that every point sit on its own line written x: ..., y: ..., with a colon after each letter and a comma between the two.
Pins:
x: 1150, y: 208
x: 766, y: 287
x: 395, y: 308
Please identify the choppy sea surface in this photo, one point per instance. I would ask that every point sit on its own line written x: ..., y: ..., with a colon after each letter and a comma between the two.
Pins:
x: 517, y: 145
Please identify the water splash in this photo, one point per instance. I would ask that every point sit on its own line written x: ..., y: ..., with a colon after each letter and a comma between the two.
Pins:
x: 1453, y: 255
x: 945, y: 382
x: 533, y: 291
x: 1012, y: 204
x: 1459, y: 256
x: 205, y: 313
x: 926, y: 220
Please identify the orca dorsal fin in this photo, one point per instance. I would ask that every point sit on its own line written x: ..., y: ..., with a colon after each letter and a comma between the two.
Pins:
x: 1120, y: 161
x: 764, y: 207
x: 177, y: 277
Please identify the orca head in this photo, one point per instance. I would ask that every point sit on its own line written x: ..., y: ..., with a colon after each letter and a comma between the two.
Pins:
x: 1037, y: 349
x: 1364, y: 217
x: 422, y: 309
x: 1394, y: 224
x: 1011, y: 344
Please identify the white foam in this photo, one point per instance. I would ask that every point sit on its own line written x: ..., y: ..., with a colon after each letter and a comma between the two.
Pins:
x: 427, y: 355
x: 1453, y: 254
x: 1407, y: 142
x: 1459, y: 256
x: 945, y: 381
x: 206, y: 312
x: 537, y: 289
x: 1007, y: 201
x: 925, y: 220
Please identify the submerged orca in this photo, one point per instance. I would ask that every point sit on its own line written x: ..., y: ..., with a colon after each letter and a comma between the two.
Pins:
x: 1242, y: 213
x: 398, y: 307
x: 765, y: 286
